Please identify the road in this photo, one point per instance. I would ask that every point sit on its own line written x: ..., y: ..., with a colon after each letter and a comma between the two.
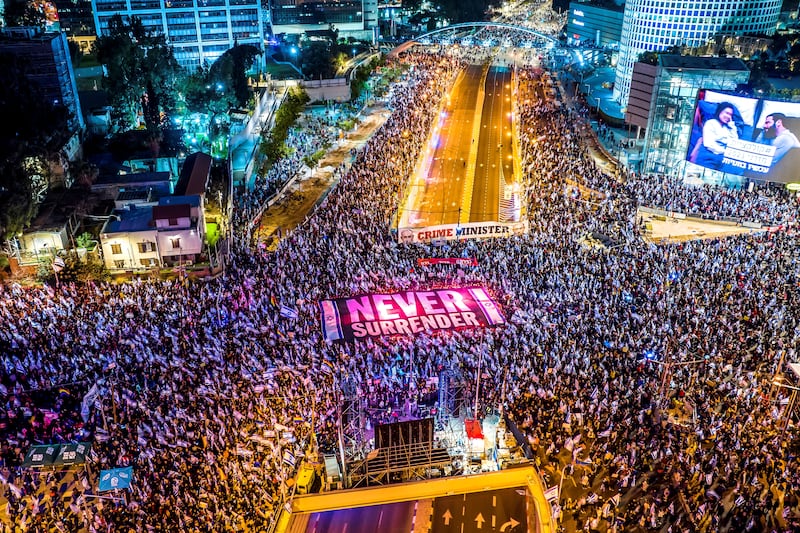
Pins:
x: 494, y: 164
x: 501, y: 511
x: 440, y: 201
x: 470, y: 159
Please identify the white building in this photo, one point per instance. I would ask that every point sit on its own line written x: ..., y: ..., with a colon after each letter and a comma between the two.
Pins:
x: 199, y: 30
x: 144, y: 236
x: 657, y: 25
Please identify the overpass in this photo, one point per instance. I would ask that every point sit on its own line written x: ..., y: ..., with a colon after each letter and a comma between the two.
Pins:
x: 482, y: 34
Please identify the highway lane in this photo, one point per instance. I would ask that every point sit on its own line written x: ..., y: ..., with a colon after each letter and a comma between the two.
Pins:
x: 467, y: 172
x: 389, y: 518
x: 444, y: 184
x: 501, y: 511
x: 494, y: 163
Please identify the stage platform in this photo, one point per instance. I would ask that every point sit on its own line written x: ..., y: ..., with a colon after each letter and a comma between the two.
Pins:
x: 509, y: 501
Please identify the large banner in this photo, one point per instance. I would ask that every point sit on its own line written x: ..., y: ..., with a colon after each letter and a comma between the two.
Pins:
x: 408, y: 313
x: 746, y: 136
x: 470, y: 230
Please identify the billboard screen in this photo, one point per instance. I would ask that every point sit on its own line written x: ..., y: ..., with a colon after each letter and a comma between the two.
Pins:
x: 408, y: 313
x: 749, y: 137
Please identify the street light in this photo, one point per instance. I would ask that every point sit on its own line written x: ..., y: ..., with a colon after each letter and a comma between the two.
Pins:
x: 787, y: 414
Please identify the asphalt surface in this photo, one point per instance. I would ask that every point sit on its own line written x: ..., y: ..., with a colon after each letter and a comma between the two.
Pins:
x: 494, y: 162
x: 440, y: 201
x: 471, y: 161
x: 498, y: 510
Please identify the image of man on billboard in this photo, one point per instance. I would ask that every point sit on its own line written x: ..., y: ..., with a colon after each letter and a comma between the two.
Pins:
x: 748, y: 137
x: 776, y: 133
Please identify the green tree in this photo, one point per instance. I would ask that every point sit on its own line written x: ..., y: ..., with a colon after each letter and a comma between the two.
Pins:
x: 319, y: 60
x: 141, y: 73
x: 273, y: 146
x: 23, y: 13
x: 31, y: 127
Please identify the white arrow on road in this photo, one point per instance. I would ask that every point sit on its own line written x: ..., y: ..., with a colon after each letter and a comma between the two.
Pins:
x: 447, y: 516
x: 479, y: 520
x: 510, y: 524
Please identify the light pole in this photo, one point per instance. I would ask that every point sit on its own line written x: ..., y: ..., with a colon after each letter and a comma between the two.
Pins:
x: 777, y: 382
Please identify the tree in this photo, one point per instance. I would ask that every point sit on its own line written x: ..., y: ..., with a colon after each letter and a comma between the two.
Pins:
x: 141, y: 73
x: 318, y: 60
x: 457, y: 11
x: 30, y: 128
x: 23, y: 13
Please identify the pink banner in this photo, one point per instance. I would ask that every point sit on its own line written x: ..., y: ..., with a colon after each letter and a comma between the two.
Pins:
x: 408, y: 313
x: 460, y: 261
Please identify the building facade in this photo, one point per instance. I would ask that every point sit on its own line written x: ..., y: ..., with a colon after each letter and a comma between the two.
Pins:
x: 676, y: 82
x: 199, y: 30
x: 48, y: 66
x: 593, y: 25
x: 144, y: 236
x: 77, y: 21
x: 657, y: 25
x: 355, y: 18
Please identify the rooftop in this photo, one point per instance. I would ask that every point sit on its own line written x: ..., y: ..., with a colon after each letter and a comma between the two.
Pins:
x: 675, y: 61
x: 194, y: 174
x: 132, y: 219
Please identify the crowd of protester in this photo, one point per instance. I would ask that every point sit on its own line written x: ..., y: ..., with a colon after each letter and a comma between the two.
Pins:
x: 214, y: 394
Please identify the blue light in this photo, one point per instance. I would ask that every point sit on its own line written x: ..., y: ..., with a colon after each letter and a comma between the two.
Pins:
x: 650, y: 355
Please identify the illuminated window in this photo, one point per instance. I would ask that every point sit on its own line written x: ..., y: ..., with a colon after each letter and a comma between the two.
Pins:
x: 116, y: 249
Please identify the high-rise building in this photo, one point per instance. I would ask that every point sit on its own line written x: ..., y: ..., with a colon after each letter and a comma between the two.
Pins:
x: 657, y: 25
x: 199, y: 30
x: 48, y: 66
x: 593, y: 24
x: 77, y: 21
x: 352, y: 18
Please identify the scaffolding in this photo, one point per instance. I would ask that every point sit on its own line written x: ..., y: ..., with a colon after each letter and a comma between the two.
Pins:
x: 400, y: 463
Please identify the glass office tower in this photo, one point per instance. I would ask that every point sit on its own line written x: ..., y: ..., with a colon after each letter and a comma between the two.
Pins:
x: 657, y: 25
x: 199, y: 30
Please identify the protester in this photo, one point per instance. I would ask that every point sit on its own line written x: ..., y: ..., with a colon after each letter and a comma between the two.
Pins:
x: 213, y: 395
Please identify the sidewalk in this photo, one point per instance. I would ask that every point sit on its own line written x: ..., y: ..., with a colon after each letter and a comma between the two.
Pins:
x: 299, y: 197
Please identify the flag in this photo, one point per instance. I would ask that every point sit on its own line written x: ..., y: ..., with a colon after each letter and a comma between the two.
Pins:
x: 273, y: 301
x: 615, y: 499
x: 584, y: 462
x: 288, y: 458
x: 115, y: 478
x: 88, y: 400
x: 288, y: 312
x: 58, y: 264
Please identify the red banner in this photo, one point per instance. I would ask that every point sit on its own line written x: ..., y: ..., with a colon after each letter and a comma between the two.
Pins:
x: 408, y: 313
x: 460, y: 261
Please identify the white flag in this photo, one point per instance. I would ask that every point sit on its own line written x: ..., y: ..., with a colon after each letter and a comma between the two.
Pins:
x: 88, y: 400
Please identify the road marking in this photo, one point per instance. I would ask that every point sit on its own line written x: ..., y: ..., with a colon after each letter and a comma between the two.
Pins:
x: 511, y: 523
x: 447, y: 516
x: 479, y: 520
